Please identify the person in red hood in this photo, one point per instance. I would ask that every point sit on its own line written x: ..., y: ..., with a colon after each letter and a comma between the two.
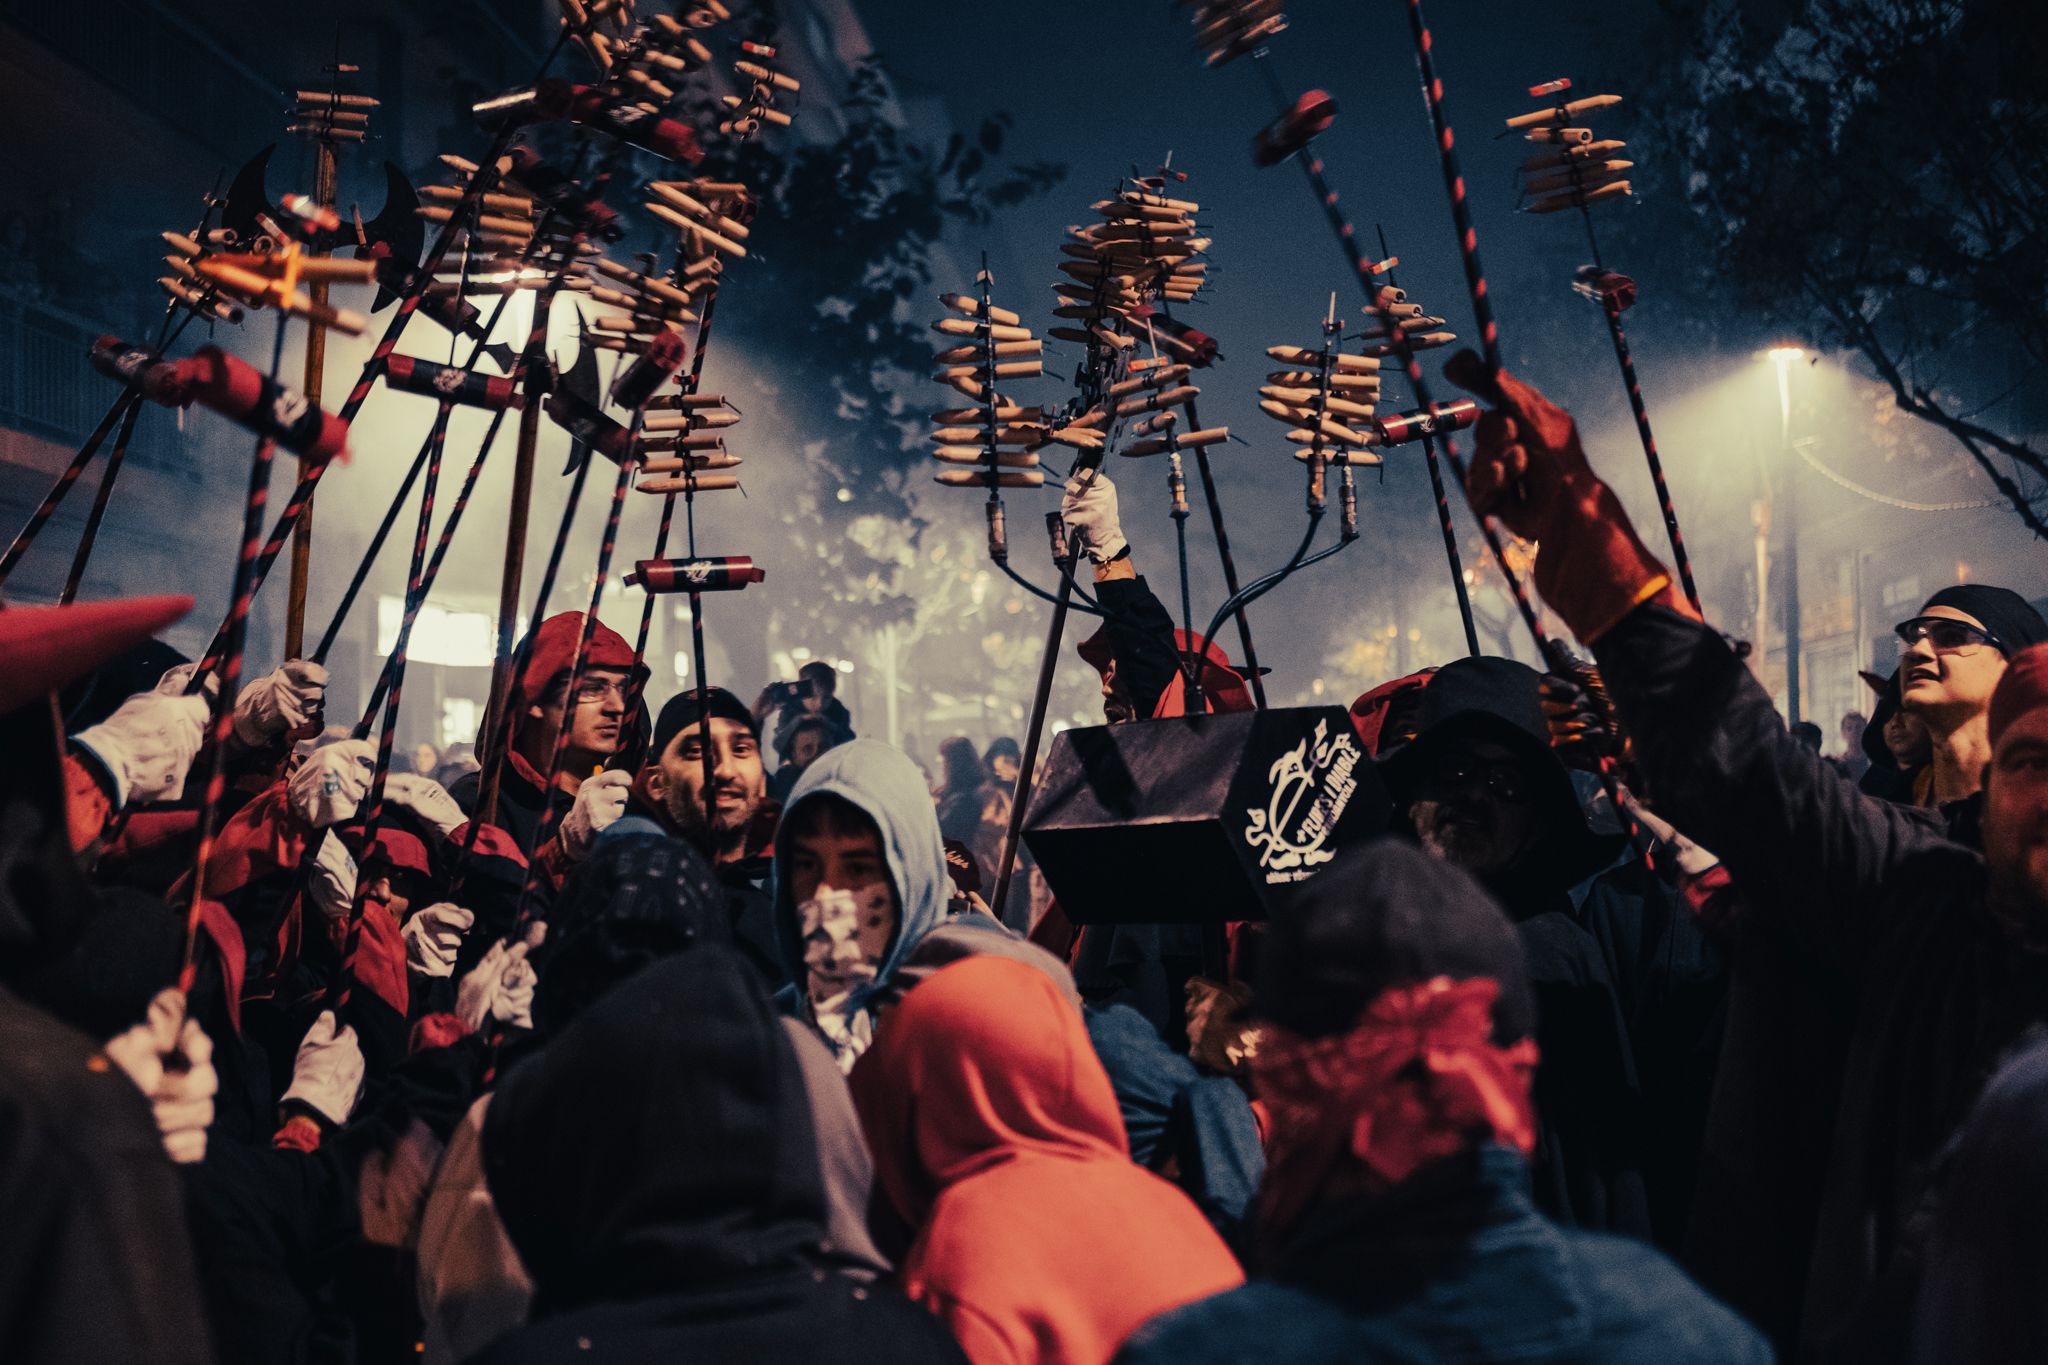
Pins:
x: 997, y: 1138
x: 603, y: 751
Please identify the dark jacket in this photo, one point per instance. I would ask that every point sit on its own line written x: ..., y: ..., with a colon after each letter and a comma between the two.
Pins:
x: 94, y: 1264
x: 1627, y: 988
x: 1891, y: 916
x: 657, y: 1170
x: 1457, y: 1265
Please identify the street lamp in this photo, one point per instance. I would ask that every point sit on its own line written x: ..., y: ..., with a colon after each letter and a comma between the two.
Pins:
x: 1784, y: 357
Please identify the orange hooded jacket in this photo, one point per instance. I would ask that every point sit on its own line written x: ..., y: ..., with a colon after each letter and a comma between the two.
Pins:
x: 996, y: 1135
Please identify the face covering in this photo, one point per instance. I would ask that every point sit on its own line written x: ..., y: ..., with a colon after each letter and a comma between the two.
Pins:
x: 846, y: 935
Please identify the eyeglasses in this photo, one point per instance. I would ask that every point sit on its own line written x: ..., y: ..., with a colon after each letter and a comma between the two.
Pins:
x: 1943, y: 635
x: 1502, y: 779
x: 597, y: 689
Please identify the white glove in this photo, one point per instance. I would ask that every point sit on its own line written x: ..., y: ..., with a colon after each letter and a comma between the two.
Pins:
x: 433, y: 936
x: 599, y: 801
x: 332, y: 782
x: 280, y: 702
x: 426, y: 798
x: 1092, y: 512
x: 501, y: 986
x: 332, y: 882
x: 147, y: 746
x: 327, y: 1076
x: 179, y: 677
x: 170, y: 1059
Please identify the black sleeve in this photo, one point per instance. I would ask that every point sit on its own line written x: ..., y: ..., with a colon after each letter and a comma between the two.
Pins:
x: 1807, y: 848
x: 1141, y: 632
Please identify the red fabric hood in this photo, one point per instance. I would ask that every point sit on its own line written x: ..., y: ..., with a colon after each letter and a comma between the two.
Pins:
x: 983, y: 1062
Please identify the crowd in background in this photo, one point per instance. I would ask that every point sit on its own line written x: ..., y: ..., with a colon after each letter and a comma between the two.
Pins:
x: 669, y: 1028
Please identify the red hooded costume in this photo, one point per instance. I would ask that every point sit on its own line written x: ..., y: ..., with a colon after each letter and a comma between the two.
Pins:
x: 997, y: 1136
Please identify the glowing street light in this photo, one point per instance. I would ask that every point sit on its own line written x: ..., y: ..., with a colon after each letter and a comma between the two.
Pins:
x: 1784, y: 357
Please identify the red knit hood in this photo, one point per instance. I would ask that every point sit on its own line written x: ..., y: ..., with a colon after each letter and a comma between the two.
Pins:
x: 548, y: 652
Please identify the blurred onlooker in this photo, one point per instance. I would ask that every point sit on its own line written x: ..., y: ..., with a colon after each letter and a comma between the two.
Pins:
x: 972, y: 808
x: 1807, y: 733
x: 1004, y: 761
x: 457, y: 761
x: 1896, y: 742
x: 813, y: 693
x: 426, y: 759
x: 1853, y: 762
x: 799, y: 744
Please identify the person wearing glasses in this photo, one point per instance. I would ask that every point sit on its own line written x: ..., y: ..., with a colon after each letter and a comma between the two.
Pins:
x: 1951, y: 656
x: 1628, y: 989
x: 1926, y: 959
x: 599, y: 754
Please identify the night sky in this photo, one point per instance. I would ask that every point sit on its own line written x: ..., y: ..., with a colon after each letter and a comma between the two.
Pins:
x: 1108, y: 88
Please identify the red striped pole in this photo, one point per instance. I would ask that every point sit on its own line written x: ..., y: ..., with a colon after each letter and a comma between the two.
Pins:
x: 223, y: 724
x: 476, y: 469
x: 408, y: 304
x: 1454, y: 185
x: 550, y: 817
x: 1611, y: 306
x: 373, y: 804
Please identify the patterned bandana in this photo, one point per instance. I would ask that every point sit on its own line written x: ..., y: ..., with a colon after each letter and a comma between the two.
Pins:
x: 1418, y: 1078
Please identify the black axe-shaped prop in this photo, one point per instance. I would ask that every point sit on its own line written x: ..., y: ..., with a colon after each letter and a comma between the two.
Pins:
x: 394, y: 239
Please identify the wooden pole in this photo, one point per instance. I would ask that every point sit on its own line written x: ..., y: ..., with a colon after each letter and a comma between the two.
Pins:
x: 324, y: 192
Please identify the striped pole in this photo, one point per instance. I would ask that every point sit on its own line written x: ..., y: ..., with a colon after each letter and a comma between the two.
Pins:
x: 373, y: 805
x: 1363, y: 268
x: 223, y: 723
x: 476, y: 468
x: 691, y: 382
x: 91, y: 533
x: 550, y: 817
x: 408, y: 304
x: 1611, y: 306
x: 128, y: 400
x: 1454, y: 185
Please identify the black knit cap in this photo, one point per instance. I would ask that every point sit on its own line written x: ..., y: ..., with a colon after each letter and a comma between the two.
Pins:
x: 1386, y: 914
x: 2002, y: 611
x: 681, y: 712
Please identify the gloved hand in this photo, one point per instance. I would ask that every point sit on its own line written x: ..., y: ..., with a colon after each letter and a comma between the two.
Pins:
x: 1530, y: 471
x: 280, y: 702
x: 170, y: 1059
x: 179, y: 676
x: 426, y: 798
x: 147, y: 745
x: 332, y: 782
x: 501, y: 986
x: 327, y: 1076
x: 599, y: 801
x: 332, y: 881
x: 433, y: 936
x: 1093, y: 513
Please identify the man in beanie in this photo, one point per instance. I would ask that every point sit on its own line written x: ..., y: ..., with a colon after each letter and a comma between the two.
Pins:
x: 1927, y: 951
x: 1951, y: 657
x: 667, y: 797
x: 1395, y: 1221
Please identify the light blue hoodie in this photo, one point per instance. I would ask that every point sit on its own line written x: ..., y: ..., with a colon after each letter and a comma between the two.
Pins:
x: 888, y: 787
x: 884, y: 783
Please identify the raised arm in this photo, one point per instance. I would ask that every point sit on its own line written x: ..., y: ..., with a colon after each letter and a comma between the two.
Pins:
x: 1805, y: 845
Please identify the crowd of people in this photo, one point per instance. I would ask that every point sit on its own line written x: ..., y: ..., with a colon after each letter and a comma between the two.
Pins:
x: 678, y: 1028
